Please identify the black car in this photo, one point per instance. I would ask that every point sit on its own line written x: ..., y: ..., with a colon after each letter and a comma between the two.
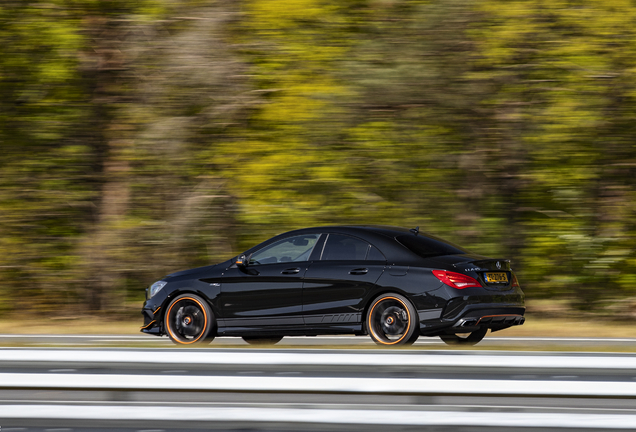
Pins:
x: 393, y: 284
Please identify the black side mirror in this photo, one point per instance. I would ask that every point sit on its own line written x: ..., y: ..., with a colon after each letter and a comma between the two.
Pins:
x: 242, y: 261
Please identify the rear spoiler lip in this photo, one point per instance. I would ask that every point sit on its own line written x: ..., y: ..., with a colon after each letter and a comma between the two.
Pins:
x: 468, y: 262
x: 489, y: 264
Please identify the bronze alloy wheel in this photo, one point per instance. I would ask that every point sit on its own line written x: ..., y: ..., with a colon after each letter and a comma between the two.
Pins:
x: 392, y: 320
x: 189, y: 320
x: 466, y: 339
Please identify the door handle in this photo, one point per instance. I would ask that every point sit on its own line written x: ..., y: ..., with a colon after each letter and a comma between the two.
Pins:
x: 291, y: 271
x: 359, y: 271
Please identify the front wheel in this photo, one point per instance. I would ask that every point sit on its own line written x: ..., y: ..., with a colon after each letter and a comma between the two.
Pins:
x: 465, y: 339
x: 392, y: 320
x: 189, y: 320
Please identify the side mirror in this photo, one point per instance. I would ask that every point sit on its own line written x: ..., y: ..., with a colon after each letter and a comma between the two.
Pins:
x: 242, y: 261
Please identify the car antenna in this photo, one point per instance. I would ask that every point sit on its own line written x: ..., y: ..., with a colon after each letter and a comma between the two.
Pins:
x: 415, y: 230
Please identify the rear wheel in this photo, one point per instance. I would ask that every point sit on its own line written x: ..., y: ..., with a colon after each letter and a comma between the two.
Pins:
x: 258, y: 340
x: 465, y: 338
x: 392, y: 320
x: 189, y: 320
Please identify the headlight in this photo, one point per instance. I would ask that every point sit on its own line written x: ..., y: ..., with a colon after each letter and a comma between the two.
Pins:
x: 155, y: 288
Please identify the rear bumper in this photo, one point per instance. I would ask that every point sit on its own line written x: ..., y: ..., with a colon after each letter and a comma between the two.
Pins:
x: 494, y: 322
x: 472, y: 317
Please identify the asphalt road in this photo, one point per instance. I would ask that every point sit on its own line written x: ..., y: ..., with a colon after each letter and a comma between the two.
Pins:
x: 490, y: 342
x: 309, y: 388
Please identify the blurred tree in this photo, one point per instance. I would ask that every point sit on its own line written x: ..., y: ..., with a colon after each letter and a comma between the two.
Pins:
x: 288, y: 168
x: 565, y: 96
x: 143, y: 137
x: 165, y: 86
x: 43, y: 189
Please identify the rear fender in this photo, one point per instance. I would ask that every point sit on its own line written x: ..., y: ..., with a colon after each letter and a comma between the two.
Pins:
x: 419, y: 285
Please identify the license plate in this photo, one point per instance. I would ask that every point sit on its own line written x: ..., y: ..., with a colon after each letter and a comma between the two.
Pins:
x: 497, y: 277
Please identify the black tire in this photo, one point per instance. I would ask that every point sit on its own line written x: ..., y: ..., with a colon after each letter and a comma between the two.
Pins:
x: 189, y: 320
x: 260, y: 340
x: 392, y: 320
x: 470, y: 339
x: 413, y: 338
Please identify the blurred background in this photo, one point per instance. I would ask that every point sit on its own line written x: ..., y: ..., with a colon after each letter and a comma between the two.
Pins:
x: 143, y: 137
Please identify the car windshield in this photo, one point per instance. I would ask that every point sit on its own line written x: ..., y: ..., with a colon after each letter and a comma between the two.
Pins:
x: 428, y: 246
x: 291, y: 249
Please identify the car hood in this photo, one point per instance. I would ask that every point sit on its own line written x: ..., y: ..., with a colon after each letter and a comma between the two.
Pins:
x: 190, y: 272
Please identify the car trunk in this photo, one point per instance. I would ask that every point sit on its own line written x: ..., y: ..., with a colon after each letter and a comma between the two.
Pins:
x: 493, y: 274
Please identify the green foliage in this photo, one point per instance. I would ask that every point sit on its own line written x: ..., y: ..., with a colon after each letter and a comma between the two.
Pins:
x: 42, y: 169
x: 564, y: 75
x: 143, y: 137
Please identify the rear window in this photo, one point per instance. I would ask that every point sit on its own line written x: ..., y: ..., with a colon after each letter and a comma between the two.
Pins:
x: 345, y: 248
x: 427, y: 247
x: 340, y: 247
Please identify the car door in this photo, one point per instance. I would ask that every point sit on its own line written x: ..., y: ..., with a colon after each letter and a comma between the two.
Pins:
x: 336, y: 284
x: 268, y: 292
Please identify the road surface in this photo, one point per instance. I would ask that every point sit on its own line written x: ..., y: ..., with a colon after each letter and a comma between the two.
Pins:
x: 489, y: 342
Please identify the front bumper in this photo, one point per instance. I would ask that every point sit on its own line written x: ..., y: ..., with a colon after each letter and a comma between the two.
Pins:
x: 152, y: 321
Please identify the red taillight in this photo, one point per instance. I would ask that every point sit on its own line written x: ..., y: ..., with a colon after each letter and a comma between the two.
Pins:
x: 456, y: 280
x: 515, y: 282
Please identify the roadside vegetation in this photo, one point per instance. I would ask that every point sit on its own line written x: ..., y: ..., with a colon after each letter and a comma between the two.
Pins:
x: 140, y: 138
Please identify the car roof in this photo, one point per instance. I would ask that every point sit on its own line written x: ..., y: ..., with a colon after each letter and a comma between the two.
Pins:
x: 380, y: 236
x: 380, y: 229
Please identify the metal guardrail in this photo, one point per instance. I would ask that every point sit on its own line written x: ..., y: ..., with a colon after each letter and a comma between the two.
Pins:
x: 342, y: 375
x: 276, y: 384
x: 259, y: 417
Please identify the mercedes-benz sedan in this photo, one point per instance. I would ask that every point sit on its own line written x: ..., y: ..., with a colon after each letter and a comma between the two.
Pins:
x: 390, y: 283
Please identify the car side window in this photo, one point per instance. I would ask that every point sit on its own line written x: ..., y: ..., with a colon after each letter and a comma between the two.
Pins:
x: 375, y: 255
x: 341, y: 248
x: 291, y: 249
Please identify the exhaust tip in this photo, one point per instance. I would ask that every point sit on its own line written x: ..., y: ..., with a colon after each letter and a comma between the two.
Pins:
x: 466, y: 322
